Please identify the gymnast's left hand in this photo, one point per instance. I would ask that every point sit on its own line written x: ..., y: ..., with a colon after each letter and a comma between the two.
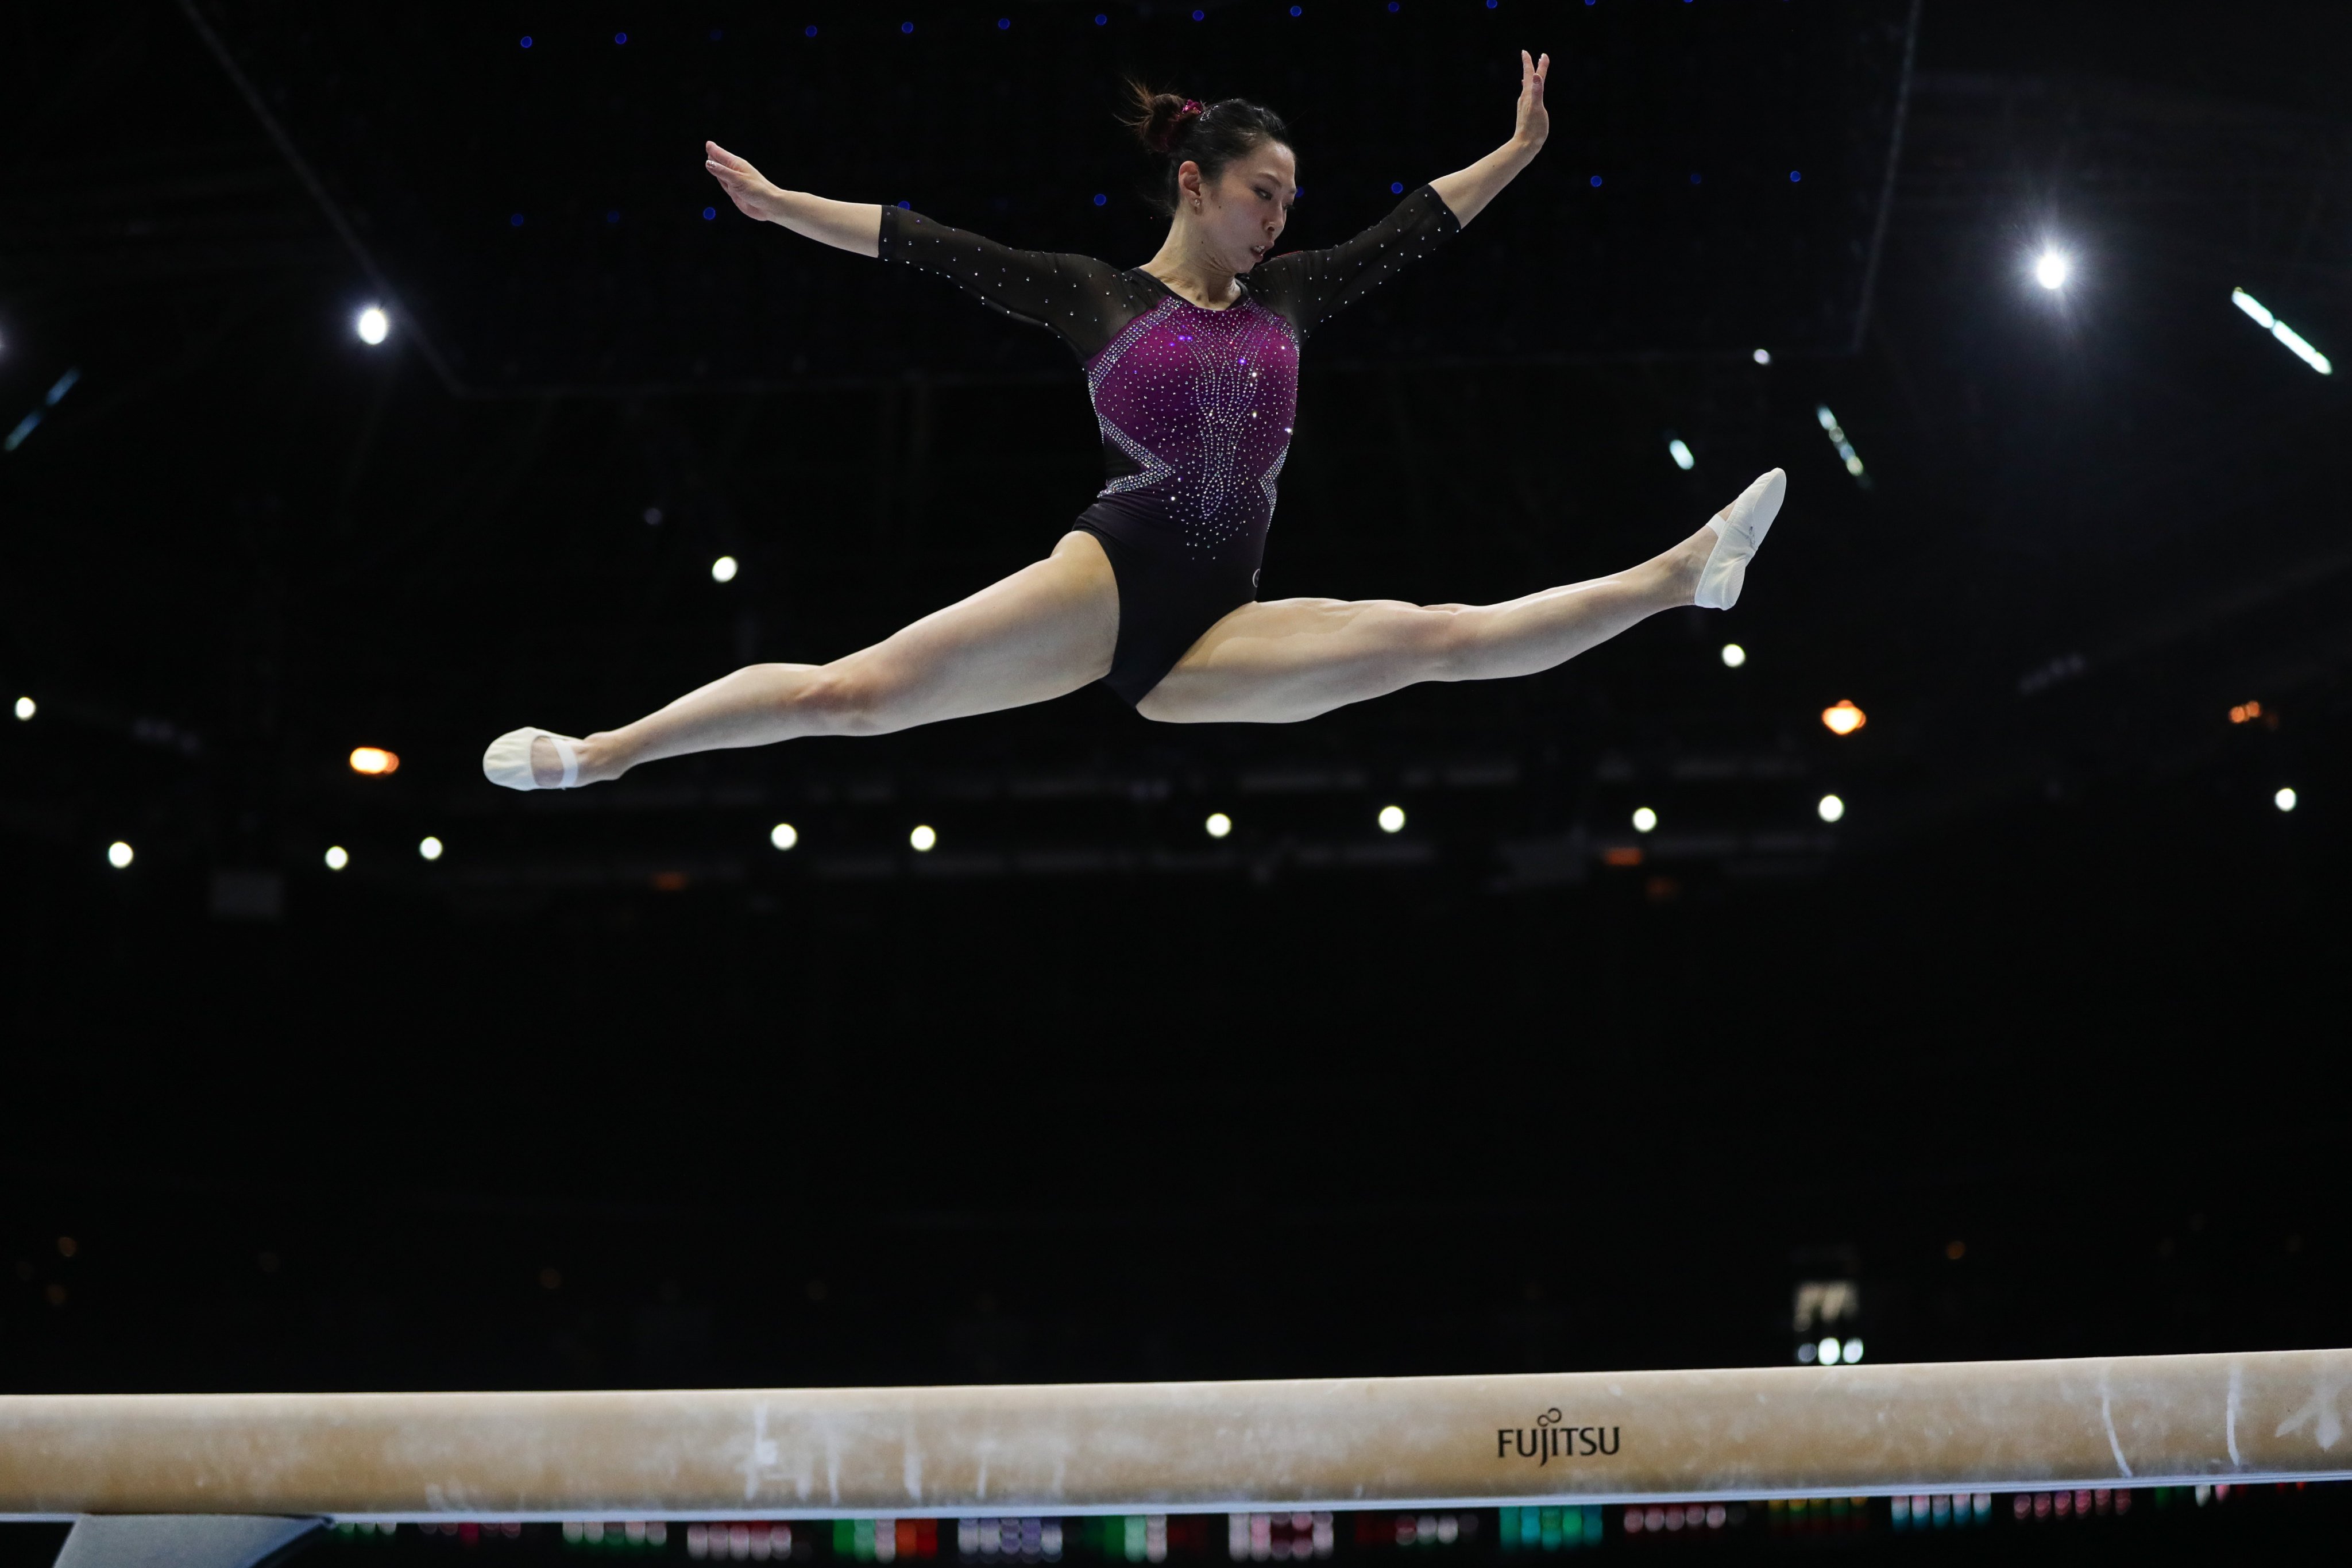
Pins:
x: 1535, y: 119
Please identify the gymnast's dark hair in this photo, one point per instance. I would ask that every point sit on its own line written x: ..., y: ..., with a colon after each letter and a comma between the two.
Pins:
x: 1178, y: 130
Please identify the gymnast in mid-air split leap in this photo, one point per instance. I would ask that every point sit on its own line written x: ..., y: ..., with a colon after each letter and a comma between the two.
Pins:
x: 1192, y: 362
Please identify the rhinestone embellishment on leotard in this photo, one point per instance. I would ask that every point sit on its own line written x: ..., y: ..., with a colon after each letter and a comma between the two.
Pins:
x: 1201, y: 401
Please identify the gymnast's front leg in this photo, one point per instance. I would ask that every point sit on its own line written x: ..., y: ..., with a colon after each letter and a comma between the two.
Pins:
x: 1288, y: 659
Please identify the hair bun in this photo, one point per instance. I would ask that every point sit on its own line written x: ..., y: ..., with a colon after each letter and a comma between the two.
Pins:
x: 1161, y: 118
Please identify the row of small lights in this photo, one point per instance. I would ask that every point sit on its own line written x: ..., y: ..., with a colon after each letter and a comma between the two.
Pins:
x: 376, y: 761
x: 923, y: 838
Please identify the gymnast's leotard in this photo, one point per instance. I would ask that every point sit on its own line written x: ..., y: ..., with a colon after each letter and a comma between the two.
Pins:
x: 1195, y: 404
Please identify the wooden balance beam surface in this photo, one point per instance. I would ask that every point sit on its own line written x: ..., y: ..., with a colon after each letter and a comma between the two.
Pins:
x: 1135, y: 1447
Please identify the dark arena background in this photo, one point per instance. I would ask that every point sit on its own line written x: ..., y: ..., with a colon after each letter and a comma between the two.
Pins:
x: 1668, y: 1027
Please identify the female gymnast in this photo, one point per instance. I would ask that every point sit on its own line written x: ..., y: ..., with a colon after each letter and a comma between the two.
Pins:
x: 1192, y: 362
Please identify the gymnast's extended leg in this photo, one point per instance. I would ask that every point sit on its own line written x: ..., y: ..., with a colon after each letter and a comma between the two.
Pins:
x: 1044, y: 631
x: 1286, y: 659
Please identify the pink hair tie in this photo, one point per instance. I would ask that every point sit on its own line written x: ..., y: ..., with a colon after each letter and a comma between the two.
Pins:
x: 1193, y: 106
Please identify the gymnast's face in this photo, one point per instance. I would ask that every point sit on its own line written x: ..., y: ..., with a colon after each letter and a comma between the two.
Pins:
x: 1241, y: 213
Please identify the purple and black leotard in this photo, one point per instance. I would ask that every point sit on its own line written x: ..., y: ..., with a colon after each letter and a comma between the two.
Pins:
x: 1195, y: 405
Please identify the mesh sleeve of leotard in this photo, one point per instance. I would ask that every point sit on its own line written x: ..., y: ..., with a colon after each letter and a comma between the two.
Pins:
x: 1310, y: 287
x: 1078, y: 299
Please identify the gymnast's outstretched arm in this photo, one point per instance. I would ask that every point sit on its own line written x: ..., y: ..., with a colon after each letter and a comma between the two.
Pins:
x: 1466, y: 192
x: 848, y: 225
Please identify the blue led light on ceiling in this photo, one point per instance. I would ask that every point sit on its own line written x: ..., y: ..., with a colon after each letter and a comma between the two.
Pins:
x: 1101, y: 200
x: 709, y: 213
x: 526, y: 41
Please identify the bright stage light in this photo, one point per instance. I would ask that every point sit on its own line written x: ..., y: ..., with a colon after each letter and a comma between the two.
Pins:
x: 1831, y: 1350
x: 1831, y: 808
x: 783, y: 835
x: 1763, y: 356
x: 2283, y: 800
x: 1844, y: 718
x: 374, y: 761
x: 2287, y: 335
x: 1644, y: 819
x: 1392, y: 819
x: 1734, y: 656
x: 1836, y: 433
x: 2051, y: 268
x: 723, y: 569
x: 1852, y: 1352
x: 118, y: 855
x: 372, y: 326
x: 429, y: 848
x: 922, y: 838
x: 27, y: 707
x: 1218, y: 825
x: 337, y: 857
x: 1681, y: 455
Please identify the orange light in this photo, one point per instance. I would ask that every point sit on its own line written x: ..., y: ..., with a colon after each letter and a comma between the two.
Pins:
x: 1624, y: 855
x: 2244, y: 711
x: 1844, y: 718
x: 374, y: 761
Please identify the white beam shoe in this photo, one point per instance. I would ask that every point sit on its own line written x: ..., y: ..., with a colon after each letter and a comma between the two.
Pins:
x: 1739, y: 530
x: 508, y: 762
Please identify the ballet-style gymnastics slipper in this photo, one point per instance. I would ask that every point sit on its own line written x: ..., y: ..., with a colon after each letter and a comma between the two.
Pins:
x: 508, y: 762
x: 1740, y: 529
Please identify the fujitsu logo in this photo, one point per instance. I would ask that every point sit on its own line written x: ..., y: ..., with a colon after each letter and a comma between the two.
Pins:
x: 1551, y: 1437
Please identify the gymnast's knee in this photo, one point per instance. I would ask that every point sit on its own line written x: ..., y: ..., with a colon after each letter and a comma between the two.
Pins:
x: 835, y: 700
x: 1438, y: 640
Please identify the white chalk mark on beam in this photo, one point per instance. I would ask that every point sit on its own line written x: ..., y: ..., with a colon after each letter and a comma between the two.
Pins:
x: 2237, y: 1388
x: 2107, y: 1417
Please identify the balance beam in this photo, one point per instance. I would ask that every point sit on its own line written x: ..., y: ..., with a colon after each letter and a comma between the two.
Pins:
x: 1331, y: 1443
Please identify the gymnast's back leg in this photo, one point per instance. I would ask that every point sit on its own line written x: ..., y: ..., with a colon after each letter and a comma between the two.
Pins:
x: 1039, y: 633
x: 1287, y: 660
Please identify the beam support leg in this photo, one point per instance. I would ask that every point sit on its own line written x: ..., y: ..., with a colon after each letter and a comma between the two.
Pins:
x: 182, y: 1540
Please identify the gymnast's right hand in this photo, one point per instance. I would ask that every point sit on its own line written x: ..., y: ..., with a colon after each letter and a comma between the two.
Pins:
x: 746, y: 186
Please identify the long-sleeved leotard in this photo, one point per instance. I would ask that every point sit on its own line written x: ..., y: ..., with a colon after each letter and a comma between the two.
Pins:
x: 1195, y: 405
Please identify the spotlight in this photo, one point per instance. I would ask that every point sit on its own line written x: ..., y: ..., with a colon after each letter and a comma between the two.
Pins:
x: 1763, y: 356
x: 783, y: 835
x: 1852, y: 1352
x: 1832, y: 1351
x: 2283, y: 800
x: 1734, y: 656
x: 372, y: 325
x: 922, y: 838
x: 1844, y: 718
x: 723, y: 569
x: 2052, y: 269
x: 1836, y: 433
x: 1807, y: 1351
x: 27, y: 707
x: 1218, y: 825
x: 337, y: 857
x: 2286, y: 335
x: 118, y: 855
x: 1644, y: 819
x: 1830, y: 809
x: 429, y: 848
x: 374, y: 761
x: 1392, y: 819
x: 1681, y: 455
